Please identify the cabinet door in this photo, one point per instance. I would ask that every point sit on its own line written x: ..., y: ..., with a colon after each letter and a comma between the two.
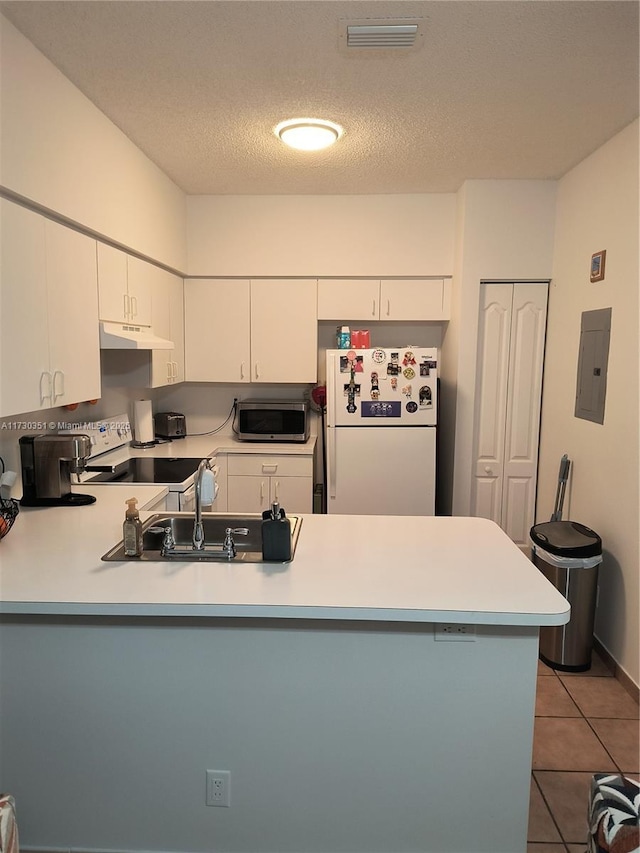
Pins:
x: 141, y: 277
x: 24, y: 338
x: 248, y: 494
x: 161, y: 360
x: 349, y: 299
x: 176, y: 309
x: 412, y: 299
x: 284, y: 330
x: 112, y: 284
x: 72, y: 302
x: 216, y: 322
x: 295, y: 494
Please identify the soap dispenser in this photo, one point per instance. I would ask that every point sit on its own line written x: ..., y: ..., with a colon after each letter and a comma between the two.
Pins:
x: 132, y: 530
x: 276, y: 535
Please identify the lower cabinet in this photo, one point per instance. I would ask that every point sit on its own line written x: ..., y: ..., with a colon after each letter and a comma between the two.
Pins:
x: 254, y: 482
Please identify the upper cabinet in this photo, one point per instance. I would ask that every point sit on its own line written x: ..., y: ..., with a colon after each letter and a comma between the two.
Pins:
x: 284, y: 330
x: 139, y: 293
x: 167, y: 320
x: 50, y: 353
x: 384, y: 299
x: 124, y: 286
x: 260, y: 330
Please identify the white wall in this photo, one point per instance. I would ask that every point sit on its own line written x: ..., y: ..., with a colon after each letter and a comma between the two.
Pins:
x: 59, y: 151
x: 598, y: 209
x: 388, y: 235
x: 505, y: 230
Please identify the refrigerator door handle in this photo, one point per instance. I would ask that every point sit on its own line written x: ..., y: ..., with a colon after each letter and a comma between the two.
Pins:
x: 331, y: 389
x: 331, y: 453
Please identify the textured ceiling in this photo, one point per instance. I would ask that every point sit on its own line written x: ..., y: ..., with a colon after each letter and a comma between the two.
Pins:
x: 500, y: 89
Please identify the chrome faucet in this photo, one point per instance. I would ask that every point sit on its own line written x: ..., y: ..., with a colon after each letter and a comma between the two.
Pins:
x: 198, y: 529
x: 229, y: 546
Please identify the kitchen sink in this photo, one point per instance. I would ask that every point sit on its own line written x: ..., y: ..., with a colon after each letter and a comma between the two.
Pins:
x: 248, y: 547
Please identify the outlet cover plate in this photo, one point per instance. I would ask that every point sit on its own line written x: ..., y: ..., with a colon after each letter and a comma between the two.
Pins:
x: 454, y: 633
x: 219, y: 788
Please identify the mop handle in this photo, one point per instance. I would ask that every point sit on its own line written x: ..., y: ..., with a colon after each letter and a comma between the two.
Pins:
x: 563, y: 475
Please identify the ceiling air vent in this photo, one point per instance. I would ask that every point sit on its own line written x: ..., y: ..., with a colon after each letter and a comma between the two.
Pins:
x: 379, y: 34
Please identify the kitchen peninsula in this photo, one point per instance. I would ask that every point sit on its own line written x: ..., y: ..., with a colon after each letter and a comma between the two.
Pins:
x: 348, y: 719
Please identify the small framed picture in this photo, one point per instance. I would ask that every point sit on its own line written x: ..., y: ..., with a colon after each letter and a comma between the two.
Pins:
x: 597, y: 265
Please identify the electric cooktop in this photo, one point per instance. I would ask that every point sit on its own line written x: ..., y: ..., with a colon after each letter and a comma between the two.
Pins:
x: 141, y: 469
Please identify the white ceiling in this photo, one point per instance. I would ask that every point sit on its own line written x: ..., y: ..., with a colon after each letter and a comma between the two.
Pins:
x: 495, y: 89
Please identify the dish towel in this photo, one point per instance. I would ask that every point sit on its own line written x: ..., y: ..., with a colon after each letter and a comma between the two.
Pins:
x: 8, y: 825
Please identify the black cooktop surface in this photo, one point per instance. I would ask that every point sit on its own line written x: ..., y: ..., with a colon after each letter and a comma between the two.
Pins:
x: 143, y: 469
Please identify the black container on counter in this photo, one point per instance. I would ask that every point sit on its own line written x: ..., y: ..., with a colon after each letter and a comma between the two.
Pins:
x: 276, y: 535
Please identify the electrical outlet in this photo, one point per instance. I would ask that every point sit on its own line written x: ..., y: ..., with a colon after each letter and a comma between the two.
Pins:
x: 219, y: 788
x: 455, y: 633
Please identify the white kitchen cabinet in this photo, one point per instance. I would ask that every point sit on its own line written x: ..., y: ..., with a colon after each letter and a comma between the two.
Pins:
x: 509, y: 389
x: 284, y: 330
x: 384, y: 299
x: 260, y: 330
x: 217, y: 332
x: 124, y: 287
x: 167, y: 319
x: 254, y: 482
x: 49, y: 321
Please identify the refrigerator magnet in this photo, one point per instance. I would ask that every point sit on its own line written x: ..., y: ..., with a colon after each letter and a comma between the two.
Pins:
x: 411, y: 407
x: 378, y: 355
x: 408, y: 373
x: 425, y: 397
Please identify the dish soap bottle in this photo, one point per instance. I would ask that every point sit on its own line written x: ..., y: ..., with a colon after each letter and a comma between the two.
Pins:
x: 132, y: 530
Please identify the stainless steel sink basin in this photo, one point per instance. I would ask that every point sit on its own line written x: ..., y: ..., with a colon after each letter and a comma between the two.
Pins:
x: 248, y: 547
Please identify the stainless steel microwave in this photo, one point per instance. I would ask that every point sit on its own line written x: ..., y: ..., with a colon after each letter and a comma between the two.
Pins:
x: 273, y: 420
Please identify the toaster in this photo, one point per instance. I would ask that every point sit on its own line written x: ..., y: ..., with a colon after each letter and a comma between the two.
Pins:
x: 170, y: 425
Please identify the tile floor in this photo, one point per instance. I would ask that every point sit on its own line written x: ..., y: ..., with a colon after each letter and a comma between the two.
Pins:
x: 586, y: 723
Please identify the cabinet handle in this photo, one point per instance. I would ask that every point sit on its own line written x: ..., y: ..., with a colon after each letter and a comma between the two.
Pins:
x: 269, y: 469
x: 388, y: 307
x: 134, y: 307
x: 44, y: 396
x: 57, y: 393
x: 127, y: 306
x: 261, y: 490
x: 277, y: 484
x: 174, y: 369
x: 488, y: 470
x: 257, y: 373
x: 373, y: 308
x: 242, y: 370
x: 168, y: 371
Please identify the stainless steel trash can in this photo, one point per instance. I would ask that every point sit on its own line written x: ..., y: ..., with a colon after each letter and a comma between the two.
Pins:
x: 568, y: 554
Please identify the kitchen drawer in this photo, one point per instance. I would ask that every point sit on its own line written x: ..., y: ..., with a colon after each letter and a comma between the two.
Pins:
x: 269, y: 466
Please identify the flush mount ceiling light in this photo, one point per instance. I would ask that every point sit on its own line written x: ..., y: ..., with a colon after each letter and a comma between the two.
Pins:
x: 308, y: 134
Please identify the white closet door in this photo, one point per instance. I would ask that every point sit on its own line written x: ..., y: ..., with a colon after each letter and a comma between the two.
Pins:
x: 491, y: 400
x: 526, y: 356
x: 508, y: 396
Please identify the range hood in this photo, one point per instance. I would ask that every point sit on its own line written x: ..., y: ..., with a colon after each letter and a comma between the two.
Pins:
x: 125, y: 336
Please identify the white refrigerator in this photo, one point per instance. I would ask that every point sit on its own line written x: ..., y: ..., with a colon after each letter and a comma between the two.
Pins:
x: 381, y: 430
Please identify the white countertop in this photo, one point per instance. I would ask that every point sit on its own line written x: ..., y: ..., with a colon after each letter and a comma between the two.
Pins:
x: 383, y: 568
